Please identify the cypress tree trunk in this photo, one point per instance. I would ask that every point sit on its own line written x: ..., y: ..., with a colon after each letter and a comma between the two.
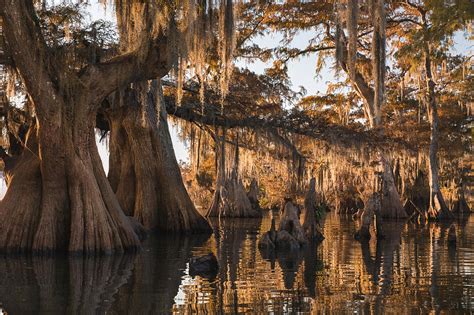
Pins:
x: 372, y: 207
x: 253, y: 194
x: 310, y: 225
x: 70, y: 204
x: 218, y: 205
x: 144, y: 172
x: 438, y: 208
x: 373, y: 96
x: 20, y: 206
x: 392, y: 207
x: 230, y: 198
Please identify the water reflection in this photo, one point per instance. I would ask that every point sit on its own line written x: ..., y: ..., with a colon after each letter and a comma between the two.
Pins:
x: 45, y: 285
x: 413, y: 270
x: 157, y: 275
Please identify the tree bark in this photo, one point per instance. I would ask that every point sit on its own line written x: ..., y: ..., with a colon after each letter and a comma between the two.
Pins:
x: 371, y: 209
x: 461, y: 206
x: 20, y: 205
x: 144, y: 172
x: 230, y: 198
x: 310, y: 225
x: 70, y: 205
x: 253, y: 194
x: 438, y: 208
x: 392, y: 207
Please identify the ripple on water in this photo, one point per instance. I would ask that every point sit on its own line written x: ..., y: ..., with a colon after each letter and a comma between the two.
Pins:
x: 414, y: 270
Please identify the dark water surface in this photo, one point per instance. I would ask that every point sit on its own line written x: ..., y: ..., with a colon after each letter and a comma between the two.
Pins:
x: 413, y: 272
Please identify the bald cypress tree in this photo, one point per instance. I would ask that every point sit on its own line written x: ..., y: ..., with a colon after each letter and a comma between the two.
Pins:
x: 67, y: 201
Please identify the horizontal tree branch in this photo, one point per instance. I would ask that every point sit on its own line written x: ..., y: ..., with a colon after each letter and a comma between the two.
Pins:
x: 145, y: 63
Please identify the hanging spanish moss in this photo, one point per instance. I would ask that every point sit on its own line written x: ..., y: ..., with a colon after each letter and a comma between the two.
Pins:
x: 189, y: 26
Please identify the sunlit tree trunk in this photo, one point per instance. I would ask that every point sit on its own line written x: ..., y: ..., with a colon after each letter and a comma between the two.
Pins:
x: 438, y: 208
x: 144, y: 172
x: 67, y: 202
x: 310, y: 225
x: 230, y: 198
x: 373, y: 98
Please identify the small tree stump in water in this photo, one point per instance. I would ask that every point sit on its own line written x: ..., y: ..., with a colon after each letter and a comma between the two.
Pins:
x: 253, y: 194
x: 290, y: 222
x: 290, y: 234
x: 372, y: 207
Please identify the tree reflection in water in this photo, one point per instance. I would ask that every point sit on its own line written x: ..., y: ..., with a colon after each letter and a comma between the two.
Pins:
x: 415, y: 269
x: 62, y: 285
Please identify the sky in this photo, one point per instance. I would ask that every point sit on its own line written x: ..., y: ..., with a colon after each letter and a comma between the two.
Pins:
x: 301, y: 72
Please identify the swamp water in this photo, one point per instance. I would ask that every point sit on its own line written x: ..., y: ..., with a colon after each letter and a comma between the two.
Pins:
x: 415, y: 271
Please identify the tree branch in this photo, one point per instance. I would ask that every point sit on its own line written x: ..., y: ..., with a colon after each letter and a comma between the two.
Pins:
x: 29, y: 51
x: 293, y: 123
x: 145, y: 63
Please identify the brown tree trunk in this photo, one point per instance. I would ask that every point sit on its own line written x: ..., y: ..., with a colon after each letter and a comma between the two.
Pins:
x: 372, y: 207
x: 392, y: 207
x: 365, y: 221
x: 310, y: 225
x: 253, y: 194
x: 70, y: 205
x: 438, y: 208
x: 460, y: 205
x: 144, y: 172
x: 230, y: 198
x: 20, y: 206
x: 374, y: 98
